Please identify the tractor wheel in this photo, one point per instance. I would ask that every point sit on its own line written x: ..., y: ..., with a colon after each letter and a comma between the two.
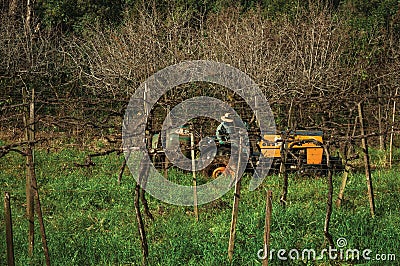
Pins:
x: 217, y: 167
x: 218, y: 171
x: 222, y: 170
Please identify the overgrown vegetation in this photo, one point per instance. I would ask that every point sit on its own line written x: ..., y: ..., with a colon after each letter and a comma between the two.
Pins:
x: 317, y: 58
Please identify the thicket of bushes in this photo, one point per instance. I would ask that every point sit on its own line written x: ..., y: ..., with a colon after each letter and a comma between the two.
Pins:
x: 314, y: 60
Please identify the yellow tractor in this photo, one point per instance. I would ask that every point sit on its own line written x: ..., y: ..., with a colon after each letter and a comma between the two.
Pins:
x: 301, y: 150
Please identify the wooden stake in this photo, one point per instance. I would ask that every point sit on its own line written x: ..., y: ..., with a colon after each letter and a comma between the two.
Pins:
x: 9, y: 233
x: 41, y: 222
x: 145, y: 204
x: 232, y: 232
x: 196, y: 211
x: 267, y: 227
x: 235, y: 208
x: 366, y: 160
x: 328, y: 236
x: 141, y: 229
x: 122, y: 169
x: 28, y: 119
x: 283, y: 174
x: 166, y: 161
x: 392, y: 133
x: 347, y: 168
x: 32, y: 193
x: 144, y: 171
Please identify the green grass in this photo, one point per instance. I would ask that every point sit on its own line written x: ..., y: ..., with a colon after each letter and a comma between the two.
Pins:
x: 90, y: 219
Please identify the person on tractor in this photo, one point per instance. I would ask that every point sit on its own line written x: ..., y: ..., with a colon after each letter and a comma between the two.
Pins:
x: 228, y: 134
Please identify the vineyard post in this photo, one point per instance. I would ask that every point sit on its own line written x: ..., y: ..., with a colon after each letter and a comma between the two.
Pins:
x: 366, y: 160
x: 32, y: 193
x: 345, y: 176
x: 121, y: 171
x: 328, y: 215
x: 392, y: 133
x: 41, y: 222
x: 166, y: 160
x: 145, y: 204
x: 28, y: 119
x: 283, y: 173
x: 267, y: 227
x: 235, y: 207
x: 347, y: 168
x: 196, y: 210
x: 143, y: 173
x: 9, y: 233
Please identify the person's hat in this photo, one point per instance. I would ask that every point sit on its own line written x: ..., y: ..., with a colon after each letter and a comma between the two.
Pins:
x: 227, y: 118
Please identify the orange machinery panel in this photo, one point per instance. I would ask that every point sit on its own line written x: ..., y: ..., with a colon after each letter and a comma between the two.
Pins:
x: 314, y: 155
x: 270, y: 145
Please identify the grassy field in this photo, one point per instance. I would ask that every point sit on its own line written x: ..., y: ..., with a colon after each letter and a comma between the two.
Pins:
x: 90, y: 219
